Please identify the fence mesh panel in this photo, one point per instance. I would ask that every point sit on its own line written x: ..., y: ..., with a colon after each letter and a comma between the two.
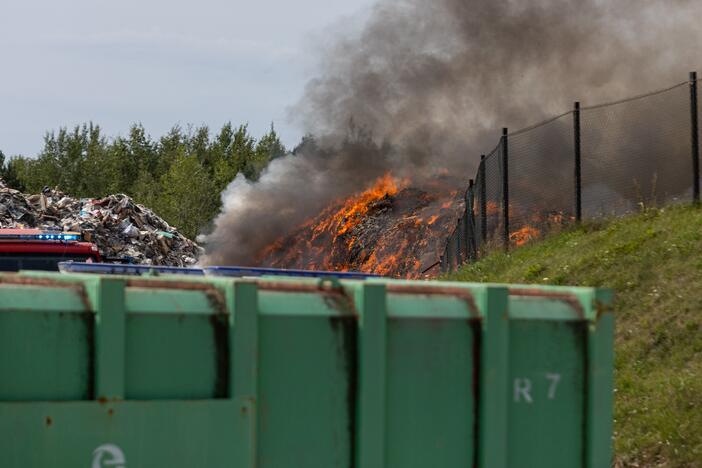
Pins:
x: 493, y: 196
x: 541, y: 186
x: 478, y: 190
x: 469, y: 224
x: 636, y: 153
x: 460, y: 240
x: 459, y: 252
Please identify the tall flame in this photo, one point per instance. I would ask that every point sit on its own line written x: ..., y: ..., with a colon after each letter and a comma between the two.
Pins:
x: 389, y: 228
x: 356, y: 207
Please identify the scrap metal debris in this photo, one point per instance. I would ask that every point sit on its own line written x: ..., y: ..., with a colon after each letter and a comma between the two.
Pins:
x: 119, y: 226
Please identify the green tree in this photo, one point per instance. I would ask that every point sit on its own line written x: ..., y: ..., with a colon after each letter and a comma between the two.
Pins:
x: 8, y: 172
x: 180, y: 176
x: 198, y: 145
x: 142, y: 149
x: 268, y: 148
x: 186, y: 198
x: 71, y: 160
x: 238, y: 149
x: 146, y: 190
x: 120, y: 168
x: 96, y: 174
x: 169, y: 147
x: 12, y: 172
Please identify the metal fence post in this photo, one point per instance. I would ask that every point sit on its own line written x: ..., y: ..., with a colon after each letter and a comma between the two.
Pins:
x: 459, y: 254
x: 695, y: 139
x: 456, y: 249
x: 578, y: 180
x: 505, y: 188
x: 448, y: 255
x: 483, y: 200
x: 470, y: 239
x: 467, y: 230
x: 464, y: 238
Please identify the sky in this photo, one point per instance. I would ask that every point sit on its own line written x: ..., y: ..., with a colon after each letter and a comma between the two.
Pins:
x: 160, y: 62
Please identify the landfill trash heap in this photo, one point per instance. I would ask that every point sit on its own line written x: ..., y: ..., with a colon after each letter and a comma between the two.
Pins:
x: 116, y: 224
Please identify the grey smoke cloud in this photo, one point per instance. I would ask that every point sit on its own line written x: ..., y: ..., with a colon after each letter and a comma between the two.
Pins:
x: 428, y: 85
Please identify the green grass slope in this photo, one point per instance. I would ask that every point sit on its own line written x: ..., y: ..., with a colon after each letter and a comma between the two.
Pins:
x: 654, y: 263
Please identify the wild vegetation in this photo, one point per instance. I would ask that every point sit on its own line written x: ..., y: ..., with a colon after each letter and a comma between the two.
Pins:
x: 180, y: 175
x: 652, y: 260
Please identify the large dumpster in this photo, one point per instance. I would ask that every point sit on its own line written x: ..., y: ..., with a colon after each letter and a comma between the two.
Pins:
x: 278, y: 372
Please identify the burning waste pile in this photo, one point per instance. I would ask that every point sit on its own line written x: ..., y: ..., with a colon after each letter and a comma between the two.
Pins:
x: 116, y: 224
x: 423, y: 87
x: 392, y: 228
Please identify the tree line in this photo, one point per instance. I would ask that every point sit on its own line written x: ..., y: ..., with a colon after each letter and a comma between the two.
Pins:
x: 180, y: 175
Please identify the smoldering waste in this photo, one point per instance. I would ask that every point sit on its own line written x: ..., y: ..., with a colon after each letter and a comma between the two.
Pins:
x: 116, y: 224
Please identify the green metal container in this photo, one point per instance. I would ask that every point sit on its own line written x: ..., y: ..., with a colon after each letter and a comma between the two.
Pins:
x: 213, y: 372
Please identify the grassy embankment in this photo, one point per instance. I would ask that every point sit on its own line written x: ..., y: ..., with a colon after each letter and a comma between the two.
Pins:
x: 653, y: 261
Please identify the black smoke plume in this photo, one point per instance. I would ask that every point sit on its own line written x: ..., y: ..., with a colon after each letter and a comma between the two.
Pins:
x: 427, y: 85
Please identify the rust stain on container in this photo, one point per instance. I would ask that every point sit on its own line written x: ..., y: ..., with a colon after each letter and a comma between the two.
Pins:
x: 220, y: 335
x: 569, y: 299
x: 459, y: 293
x: 25, y: 281
x: 347, y: 329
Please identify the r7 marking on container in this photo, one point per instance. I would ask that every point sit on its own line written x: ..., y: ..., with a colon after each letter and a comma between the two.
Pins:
x: 554, y: 378
x: 523, y: 388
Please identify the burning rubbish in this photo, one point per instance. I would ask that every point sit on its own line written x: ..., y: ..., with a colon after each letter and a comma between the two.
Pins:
x: 535, y: 224
x: 356, y: 208
x: 389, y: 229
x: 524, y: 235
x: 424, y: 86
x: 116, y: 224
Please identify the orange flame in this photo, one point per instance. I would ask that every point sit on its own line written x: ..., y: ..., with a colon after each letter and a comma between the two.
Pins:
x: 492, y: 208
x: 524, y: 235
x: 378, y: 230
x: 333, y: 223
x: 356, y: 207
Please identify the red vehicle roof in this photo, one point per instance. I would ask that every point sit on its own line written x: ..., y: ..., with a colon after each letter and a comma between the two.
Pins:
x: 55, y: 247
x: 13, y: 245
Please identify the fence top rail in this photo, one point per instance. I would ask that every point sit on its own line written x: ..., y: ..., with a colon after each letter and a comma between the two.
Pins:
x: 585, y: 108
x: 495, y: 151
x: 539, y: 124
x: 635, y: 98
x: 594, y: 106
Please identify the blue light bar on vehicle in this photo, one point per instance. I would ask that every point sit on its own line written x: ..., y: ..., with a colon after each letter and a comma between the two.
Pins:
x: 43, y: 236
x: 256, y: 271
x: 132, y: 270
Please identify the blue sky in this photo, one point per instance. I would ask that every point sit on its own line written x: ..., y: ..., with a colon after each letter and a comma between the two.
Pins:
x: 159, y: 62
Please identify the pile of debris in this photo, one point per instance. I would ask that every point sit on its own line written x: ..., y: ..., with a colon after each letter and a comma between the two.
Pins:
x: 116, y: 224
x: 398, y: 235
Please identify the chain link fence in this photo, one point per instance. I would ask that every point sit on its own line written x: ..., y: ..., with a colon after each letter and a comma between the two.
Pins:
x: 588, y: 163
